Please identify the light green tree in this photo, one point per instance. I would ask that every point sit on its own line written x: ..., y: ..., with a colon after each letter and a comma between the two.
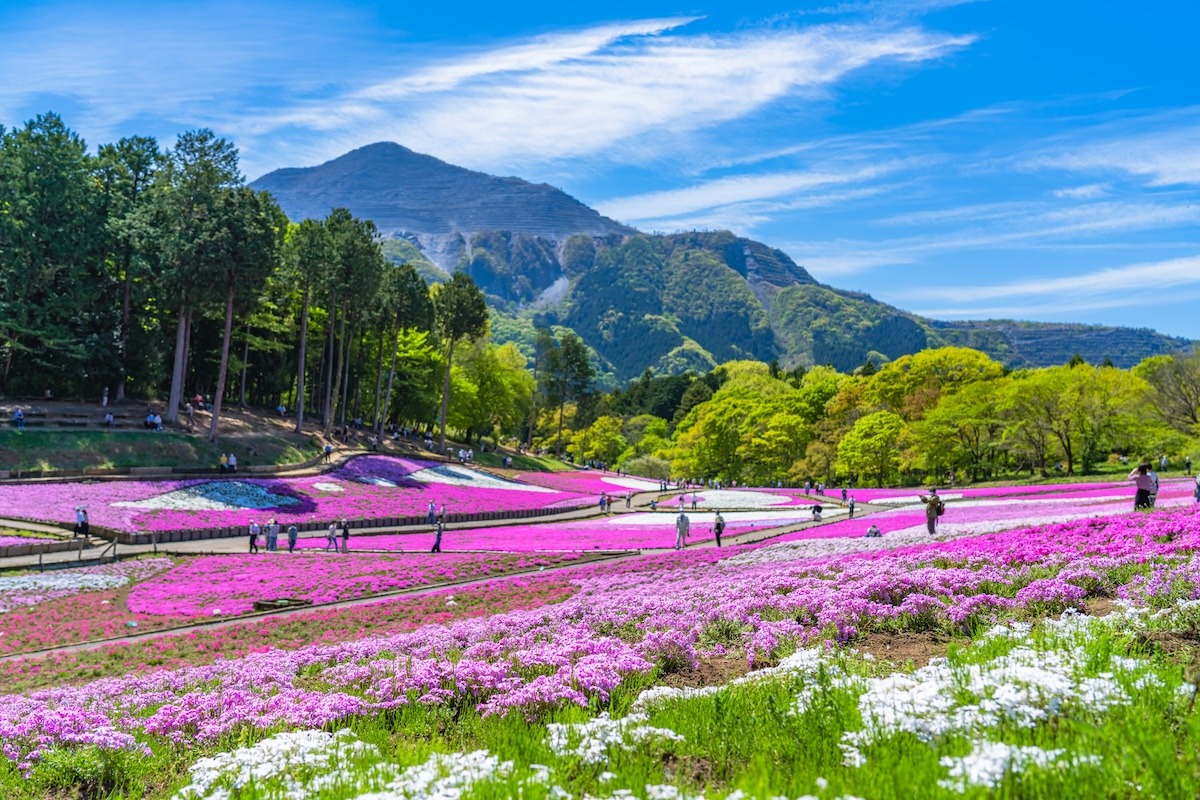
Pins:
x: 872, y: 446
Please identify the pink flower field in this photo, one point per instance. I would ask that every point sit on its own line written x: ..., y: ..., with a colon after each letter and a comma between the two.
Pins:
x: 367, y: 487
x: 568, y: 654
x: 229, y: 585
x: 629, y: 531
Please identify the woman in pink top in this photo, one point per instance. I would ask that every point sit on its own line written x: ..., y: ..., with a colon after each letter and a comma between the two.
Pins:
x: 1145, y: 486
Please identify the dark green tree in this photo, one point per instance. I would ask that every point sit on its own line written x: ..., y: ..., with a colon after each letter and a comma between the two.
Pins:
x: 307, y: 253
x: 194, y: 175
x: 247, y: 235
x: 126, y: 172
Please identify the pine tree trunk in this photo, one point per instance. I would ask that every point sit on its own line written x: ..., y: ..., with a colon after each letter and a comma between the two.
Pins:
x: 300, y: 365
x: 327, y: 407
x: 120, y: 393
x: 347, y: 352
x: 221, y: 370
x: 387, y: 400
x: 446, y: 397
x: 177, y: 371
x: 245, y: 368
x: 377, y: 424
x: 336, y: 389
x: 558, y: 447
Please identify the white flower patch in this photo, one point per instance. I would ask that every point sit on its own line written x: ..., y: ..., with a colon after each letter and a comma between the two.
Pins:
x: 989, y: 762
x: 815, y: 548
x: 1023, y: 688
x: 444, y: 776
x: 222, y: 776
x: 732, y: 498
x: 333, y: 487
x: 29, y: 590
x: 372, y: 480
x: 462, y: 476
x: 801, y: 663
x: 637, y: 484
x: 910, y: 500
x: 590, y: 741
x: 213, y: 496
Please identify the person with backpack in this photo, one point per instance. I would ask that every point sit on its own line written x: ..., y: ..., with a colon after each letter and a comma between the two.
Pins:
x: 719, y: 526
x: 934, y: 508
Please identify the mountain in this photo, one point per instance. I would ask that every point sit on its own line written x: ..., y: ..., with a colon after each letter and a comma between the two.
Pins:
x: 668, y: 302
x: 437, y: 205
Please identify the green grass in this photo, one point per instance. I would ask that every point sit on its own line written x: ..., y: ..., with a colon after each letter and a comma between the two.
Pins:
x: 78, y: 449
x: 526, y: 463
x: 27, y: 534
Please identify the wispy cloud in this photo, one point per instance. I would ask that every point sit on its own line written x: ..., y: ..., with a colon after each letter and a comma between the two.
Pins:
x: 1021, y: 226
x: 735, y: 189
x: 1102, y: 283
x: 1161, y: 149
x: 1088, y: 191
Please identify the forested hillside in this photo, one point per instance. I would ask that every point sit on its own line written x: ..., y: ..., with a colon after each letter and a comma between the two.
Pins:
x: 670, y: 303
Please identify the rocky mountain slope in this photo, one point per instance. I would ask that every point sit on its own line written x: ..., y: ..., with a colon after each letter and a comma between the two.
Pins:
x: 668, y: 302
x: 439, y: 206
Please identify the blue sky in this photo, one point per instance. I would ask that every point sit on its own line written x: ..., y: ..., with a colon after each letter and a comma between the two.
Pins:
x: 1017, y: 159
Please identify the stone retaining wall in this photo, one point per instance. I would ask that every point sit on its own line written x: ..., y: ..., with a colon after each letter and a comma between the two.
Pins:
x: 35, y: 547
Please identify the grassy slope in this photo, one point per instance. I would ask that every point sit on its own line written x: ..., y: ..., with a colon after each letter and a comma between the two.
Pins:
x: 76, y: 449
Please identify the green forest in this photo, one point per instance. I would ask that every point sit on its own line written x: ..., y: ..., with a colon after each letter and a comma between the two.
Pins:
x: 157, y: 275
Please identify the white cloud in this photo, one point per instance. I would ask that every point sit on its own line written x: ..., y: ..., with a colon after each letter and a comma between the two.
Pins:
x: 1156, y: 276
x: 735, y: 189
x: 1088, y: 191
x: 1162, y: 149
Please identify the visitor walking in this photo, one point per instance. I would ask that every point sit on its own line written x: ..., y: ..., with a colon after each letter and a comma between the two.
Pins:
x: 1187, y: 465
x: 430, y: 514
x: 437, y: 537
x: 272, y: 536
x: 254, y: 531
x: 345, y: 536
x: 331, y: 537
x: 104, y: 398
x: 19, y: 418
x: 232, y: 463
x: 850, y: 505
x: 629, y: 499
x: 718, y: 526
x: 224, y: 463
x: 934, y: 508
x: 81, y: 521
x: 328, y: 452
x: 681, y: 529
x: 292, y: 533
x: 694, y: 500
x: 1154, y: 490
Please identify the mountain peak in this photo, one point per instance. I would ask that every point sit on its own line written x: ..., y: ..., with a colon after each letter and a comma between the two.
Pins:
x: 406, y: 192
